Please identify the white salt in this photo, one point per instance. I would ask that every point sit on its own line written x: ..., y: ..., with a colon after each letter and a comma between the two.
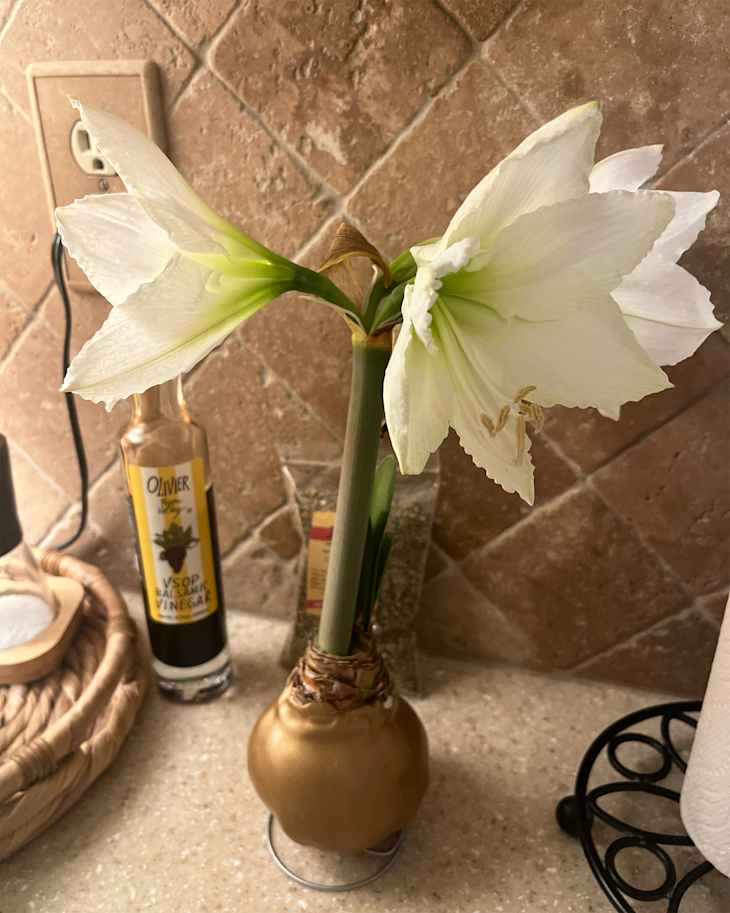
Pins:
x: 22, y: 617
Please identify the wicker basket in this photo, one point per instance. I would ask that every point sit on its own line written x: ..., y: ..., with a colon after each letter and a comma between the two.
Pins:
x: 58, y: 734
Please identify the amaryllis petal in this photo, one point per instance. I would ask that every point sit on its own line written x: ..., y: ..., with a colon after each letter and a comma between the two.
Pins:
x: 487, y: 421
x: 667, y: 309
x: 159, y: 187
x: 417, y: 399
x: 141, y: 164
x: 163, y: 330
x: 690, y: 215
x: 107, y: 225
x: 587, y: 358
x: 552, y: 260
x: 626, y: 170
x: 551, y: 165
x: 419, y: 297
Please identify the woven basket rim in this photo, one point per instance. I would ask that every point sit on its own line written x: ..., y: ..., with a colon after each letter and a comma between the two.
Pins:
x: 41, y: 779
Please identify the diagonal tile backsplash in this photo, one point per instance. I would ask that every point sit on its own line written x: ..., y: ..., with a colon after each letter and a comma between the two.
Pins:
x: 289, y: 117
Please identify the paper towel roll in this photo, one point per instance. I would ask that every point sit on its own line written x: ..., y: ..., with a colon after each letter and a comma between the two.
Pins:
x: 705, y: 804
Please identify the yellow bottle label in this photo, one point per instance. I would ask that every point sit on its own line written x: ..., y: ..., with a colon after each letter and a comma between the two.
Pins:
x: 173, y: 528
x: 318, y: 557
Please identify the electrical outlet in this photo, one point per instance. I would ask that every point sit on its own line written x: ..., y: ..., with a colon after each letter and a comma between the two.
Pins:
x: 72, y: 166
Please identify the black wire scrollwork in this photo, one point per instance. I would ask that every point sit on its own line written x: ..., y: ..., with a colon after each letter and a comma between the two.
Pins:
x: 577, y: 814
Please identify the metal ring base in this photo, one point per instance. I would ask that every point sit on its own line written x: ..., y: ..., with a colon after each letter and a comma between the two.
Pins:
x: 388, y: 856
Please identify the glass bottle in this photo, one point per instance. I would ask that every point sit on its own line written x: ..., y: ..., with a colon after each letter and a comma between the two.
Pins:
x: 167, y: 471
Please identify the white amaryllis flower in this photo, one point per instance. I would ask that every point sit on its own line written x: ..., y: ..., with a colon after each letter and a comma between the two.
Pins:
x: 515, y: 307
x: 180, y: 277
x: 667, y: 309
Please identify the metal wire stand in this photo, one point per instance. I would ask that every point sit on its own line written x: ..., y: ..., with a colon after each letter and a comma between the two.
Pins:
x: 388, y: 855
x: 576, y: 814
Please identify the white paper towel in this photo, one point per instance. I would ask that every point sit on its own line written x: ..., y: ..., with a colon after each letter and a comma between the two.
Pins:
x: 705, y: 801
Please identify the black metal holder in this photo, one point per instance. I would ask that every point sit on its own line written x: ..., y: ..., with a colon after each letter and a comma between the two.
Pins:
x: 576, y: 814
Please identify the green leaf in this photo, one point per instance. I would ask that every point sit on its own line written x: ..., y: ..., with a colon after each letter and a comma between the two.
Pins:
x: 403, y: 267
x: 383, y: 554
x: 365, y: 585
x: 382, y: 497
x: 389, y: 307
x: 306, y: 280
x: 373, y: 562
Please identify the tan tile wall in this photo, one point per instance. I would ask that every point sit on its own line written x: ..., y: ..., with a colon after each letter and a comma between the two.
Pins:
x: 290, y: 115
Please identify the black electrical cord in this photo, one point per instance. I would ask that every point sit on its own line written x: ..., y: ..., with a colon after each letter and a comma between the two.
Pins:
x: 73, y: 416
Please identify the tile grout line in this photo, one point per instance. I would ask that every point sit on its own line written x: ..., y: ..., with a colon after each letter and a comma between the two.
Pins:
x: 10, y: 19
x: 33, y: 318
x: 254, y: 533
x: 647, y: 433
x: 38, y: 469
x: 315, y: 181
x: 506, y: 534
x: 525, y: 104
x: 632, y: 638
x: 558, y: 451
x: 15, y: 106
x: 307, y: 407
x: 318, y: 234
x: 453, y: 17
x: 451, y: 563
x: 67, y: 514
x: 195, y: 373
x: 197, y: 70
x: 586, y: 478
x: 639, y: 533
x: 453, y: 567
x: 411, y: 126
x: 688, y: 156
x: 585, y: 484
x: 506, y: 21
x: 199, y: 52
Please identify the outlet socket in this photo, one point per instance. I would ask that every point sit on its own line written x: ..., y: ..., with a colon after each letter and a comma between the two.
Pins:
x: 72, y: 167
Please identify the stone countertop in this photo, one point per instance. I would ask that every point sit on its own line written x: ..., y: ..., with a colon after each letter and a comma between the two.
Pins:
x: 175, y: 826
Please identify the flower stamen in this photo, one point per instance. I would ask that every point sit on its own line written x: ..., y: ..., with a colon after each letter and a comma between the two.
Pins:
x: 524, y: 412
x: 522, y: 392
x: 521, y: 438
x: 503, y: 417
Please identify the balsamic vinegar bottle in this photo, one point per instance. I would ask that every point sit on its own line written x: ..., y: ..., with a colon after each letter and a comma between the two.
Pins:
x: 173, y: 512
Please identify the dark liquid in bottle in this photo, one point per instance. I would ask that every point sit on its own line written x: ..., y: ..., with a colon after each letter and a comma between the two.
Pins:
x: 196, y: 642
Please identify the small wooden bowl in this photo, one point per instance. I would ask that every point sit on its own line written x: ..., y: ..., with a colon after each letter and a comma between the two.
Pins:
x: 41, y: 655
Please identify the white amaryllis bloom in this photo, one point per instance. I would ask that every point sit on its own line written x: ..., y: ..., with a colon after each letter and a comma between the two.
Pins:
x: 515, y: 307
x: 180, y: 277
x: 668, y: 310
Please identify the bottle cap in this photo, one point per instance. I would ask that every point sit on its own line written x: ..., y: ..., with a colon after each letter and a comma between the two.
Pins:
x: 11, y: 533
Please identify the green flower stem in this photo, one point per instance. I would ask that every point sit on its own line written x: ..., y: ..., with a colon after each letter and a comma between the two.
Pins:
x: 306, y: 280
x: 359, y: 458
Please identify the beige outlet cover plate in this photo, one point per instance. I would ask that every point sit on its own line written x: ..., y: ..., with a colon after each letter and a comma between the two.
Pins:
x: 127, y: 88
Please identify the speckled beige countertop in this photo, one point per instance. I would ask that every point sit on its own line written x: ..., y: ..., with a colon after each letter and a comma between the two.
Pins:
x: 175, y: 825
